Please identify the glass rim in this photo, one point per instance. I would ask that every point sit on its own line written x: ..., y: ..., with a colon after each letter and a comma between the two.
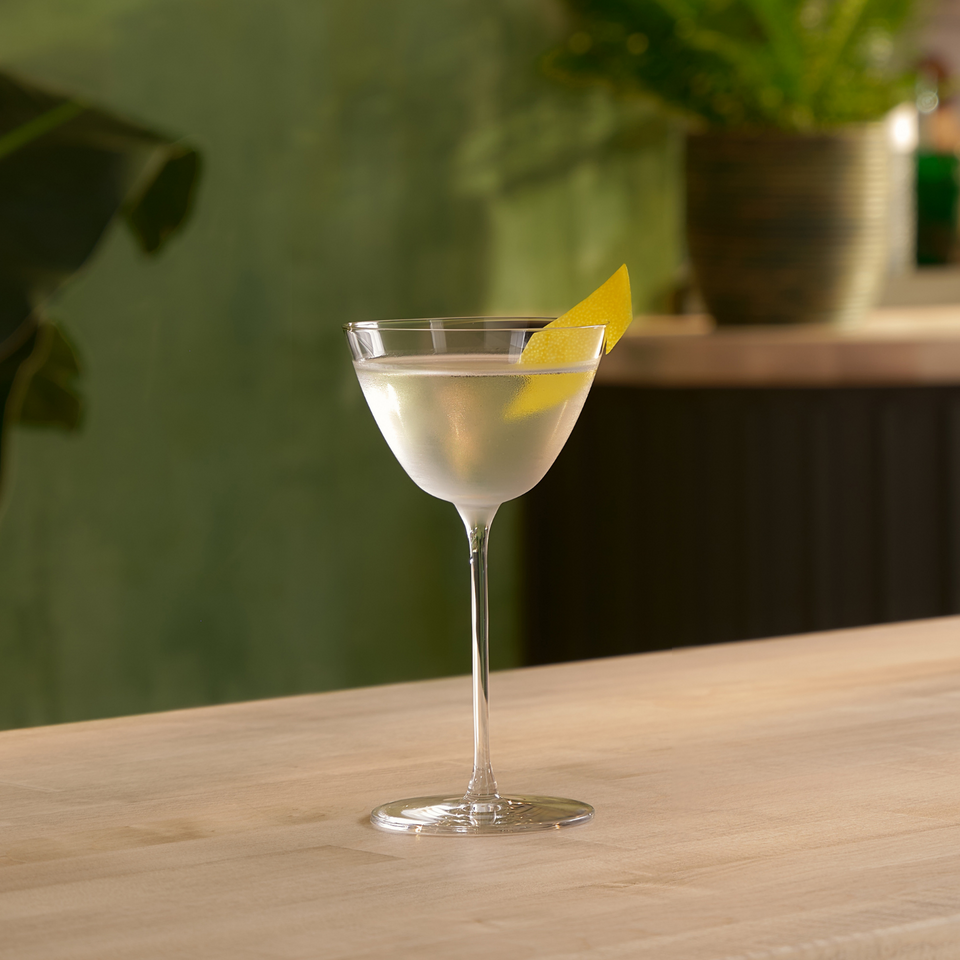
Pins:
x: 422, y: 323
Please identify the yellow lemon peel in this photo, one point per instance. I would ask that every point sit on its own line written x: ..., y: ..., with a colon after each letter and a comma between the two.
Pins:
x: 610, y: 304
x: 560, y: 343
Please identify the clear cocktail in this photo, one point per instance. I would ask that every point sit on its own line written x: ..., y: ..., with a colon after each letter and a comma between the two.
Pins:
x: 456, y: 425
x: 476, y: 411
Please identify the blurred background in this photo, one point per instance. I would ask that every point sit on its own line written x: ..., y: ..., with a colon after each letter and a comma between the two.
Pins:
x: 227, y: 523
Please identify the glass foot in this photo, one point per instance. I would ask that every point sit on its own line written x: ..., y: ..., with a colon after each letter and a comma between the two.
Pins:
x: 451, y: 815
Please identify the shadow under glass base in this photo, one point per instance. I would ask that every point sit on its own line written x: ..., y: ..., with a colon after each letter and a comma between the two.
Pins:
x: 453, y: 815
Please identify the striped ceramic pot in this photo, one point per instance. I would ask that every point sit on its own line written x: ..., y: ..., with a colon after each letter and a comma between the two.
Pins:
x: 788, y: 228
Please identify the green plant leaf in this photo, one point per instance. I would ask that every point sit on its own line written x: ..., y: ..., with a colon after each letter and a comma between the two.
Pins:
x: 51, y: 398
x: 780, y: 64
x: 17, y: 367
x: 166, y: 202
x: 67, y: 170
x: 846, y: 15
x: 785, y: 46
x: 20, y: 136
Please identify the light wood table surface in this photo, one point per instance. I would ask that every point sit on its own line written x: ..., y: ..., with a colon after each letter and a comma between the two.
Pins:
x: 893, y: 346
x: 791, y: 798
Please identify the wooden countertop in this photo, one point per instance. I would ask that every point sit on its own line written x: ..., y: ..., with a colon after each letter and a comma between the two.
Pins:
x: 893, y: 346
x: 795, y: 798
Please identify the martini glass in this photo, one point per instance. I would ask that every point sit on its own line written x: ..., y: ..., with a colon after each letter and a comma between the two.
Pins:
x: 475, y: 422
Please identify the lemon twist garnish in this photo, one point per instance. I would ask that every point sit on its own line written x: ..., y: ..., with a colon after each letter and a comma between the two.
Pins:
x: 560, y: 343
x: 610, y: 304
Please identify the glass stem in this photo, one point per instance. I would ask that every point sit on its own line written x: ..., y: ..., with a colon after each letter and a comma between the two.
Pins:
x: 483, y: 784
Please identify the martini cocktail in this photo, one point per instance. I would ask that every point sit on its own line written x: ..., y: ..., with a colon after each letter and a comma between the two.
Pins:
x: 476, y: 411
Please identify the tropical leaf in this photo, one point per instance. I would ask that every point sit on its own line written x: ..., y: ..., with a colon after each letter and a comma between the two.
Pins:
x: 51, y: 398
x: 67, y: 169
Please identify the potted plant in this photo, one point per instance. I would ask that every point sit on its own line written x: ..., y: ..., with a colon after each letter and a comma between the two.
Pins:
x: 787, y: 160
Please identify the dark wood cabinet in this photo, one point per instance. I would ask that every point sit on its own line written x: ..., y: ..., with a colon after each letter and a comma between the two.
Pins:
x: 690, y: 515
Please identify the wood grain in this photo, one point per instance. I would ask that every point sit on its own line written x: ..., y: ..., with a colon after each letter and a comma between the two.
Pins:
x: 792, y: 798
x: 894, y: 346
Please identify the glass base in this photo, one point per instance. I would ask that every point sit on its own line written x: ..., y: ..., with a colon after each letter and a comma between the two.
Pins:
x: 452, y: 815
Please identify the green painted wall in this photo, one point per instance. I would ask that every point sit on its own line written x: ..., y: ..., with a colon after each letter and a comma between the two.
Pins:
x: 229, y: 524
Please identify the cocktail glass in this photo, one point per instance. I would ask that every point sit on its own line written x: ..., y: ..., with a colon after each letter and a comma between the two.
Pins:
x: 475, y: 421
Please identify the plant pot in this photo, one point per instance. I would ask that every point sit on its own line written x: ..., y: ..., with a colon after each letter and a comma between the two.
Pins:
x: 788, y: 228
